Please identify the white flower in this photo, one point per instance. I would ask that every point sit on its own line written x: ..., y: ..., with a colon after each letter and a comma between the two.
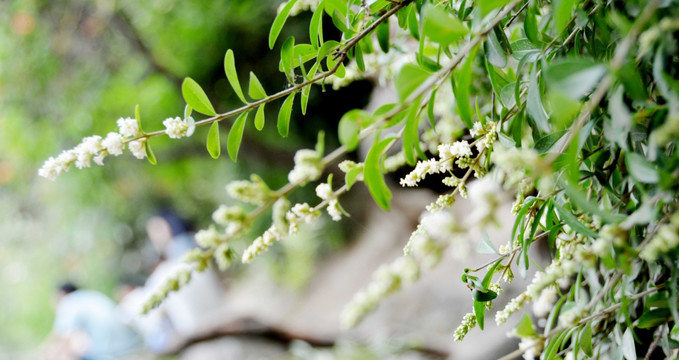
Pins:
x: 422, y: 169
x: 129, y: 127
x: 49, y: 169
x: 175, y: 127
x: 208, y: 238
x: 89, y: 147
x: 138, y: 148
x: 308, y: 167
x: 324, y: 191
x: 485, y: 194
x: 477, y: 130
x: 224, y: 215
x: 334, y: 210
x: 532, y: 347
x: 113, y: 143
x: 261, y: 244
x: 545, y: 302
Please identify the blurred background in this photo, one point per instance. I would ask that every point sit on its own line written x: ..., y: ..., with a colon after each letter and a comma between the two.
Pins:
x: 70, y: 69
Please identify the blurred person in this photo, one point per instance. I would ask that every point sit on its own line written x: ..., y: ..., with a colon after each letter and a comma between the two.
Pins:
x: 88, y: 326
x: 192, y: 309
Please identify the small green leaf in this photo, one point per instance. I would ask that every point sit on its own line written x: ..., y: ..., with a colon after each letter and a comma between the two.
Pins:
x: 149, y: 153
x: 570, y: 220
x: 586, y: 340
x: 352, y: 175
x: 461, y: 89
x: 562, y: 10
x: 575, y: 77
x: 255, y: 89
x: 236, y: 135
x: 374, y: 179
x: 196, y: 98
x: 304, y: 99
x: 383, y: 36
x: 214, y: 147
x: 232, y: 75
x: 430, y: 109
x: 187, y: 111
x: 653, y: 318
x: 547, y: 142
x: 441, y: 26
x: 534, y: 104
x: 490, y: 5
x: 484, y: 296
x: 410, y: 134
x: 409, y: 79
x: 279, y: 21
x: 495, y: 53
x: 641, y: 169
x: 284, y: 115
x: 137, y: 117
x: 525, y: 48
x: 350, y: 127
x: 316, y: 26
x: 287, y: 52
x: 320, y: 145
x: 413, y: 23
x: 530, y: 25
x: 525, y: 327
x: 358, y: 56
x: 480, y: 312
x: 259, y: 118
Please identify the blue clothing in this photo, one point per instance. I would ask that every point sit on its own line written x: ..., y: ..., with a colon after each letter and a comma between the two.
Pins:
x: 95, y: 315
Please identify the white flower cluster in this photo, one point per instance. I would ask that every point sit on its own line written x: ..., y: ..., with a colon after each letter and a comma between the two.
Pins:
x: 519, y: 164
x: 558, y: 269
x: 443, y: 228
x: 324, y: 191
x: 176, y: 128
x: 609, y: 235
x: 572, y: 316
x: 92, y: 148
x: 468, y: 323
x: 512, y: 306
x: 254, y: 191
x: 226, y: 215
x: 447, y: 155
x: 308, y: 167
x: 386, y: 280
x: 422, y: 247
x: 173, y: 283
x: 665, y: 240
x: 531, y: 347
x: 545, y: 302
x: 261, y: 244
x: 210, y: 237
x: 488, y: 131
x: 486, y: 195
x: 300, y: 213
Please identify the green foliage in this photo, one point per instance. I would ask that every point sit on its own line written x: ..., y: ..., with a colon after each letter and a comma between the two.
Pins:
x: 584, y: 101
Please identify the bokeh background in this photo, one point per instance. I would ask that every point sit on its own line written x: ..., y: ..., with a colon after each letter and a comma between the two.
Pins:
x: 69, y: 69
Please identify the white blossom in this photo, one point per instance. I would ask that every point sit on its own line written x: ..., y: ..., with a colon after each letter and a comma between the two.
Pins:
x: 545, y: 302
x: 175, y: 127
x: 86, y: 150
x: 261, y: 244
x: 468, y: 323
x: 209, y: 238
x: 129, y: 127
x: 531, y: 347
x: 308, y: 167
x: 224, y: 215
x: 113, y: 143
x: 138, y: 148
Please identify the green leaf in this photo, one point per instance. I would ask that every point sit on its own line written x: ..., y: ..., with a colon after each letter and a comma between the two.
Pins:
x: 236, y: 135
x: 628, y: 348
x: 641, y: 169
x: 149, y: 153
x: 480, y: 295
x: 413, y: 23
x: 352, y: 175
x: 374, y: 179
x: 358, y: 56
x: 653, y: 318
x: 480, y: 312
x: 383, y: 36
x: 562, y: 10
x: 196, y: 98
x: 320, y: 146
x: 304, y: 99
x: 534, y: 104
x: 575, y: 77
x: 287, y: 52
x: 525, y: 327
x: 255, y: 89
x: 440, y: 26
x: 486, y: 246
x: 567, y: 217
x: 461, y: 89
x: 586, y: 340
x: 284, y: 115
x: 214, y: 147
x: 260, y: 117
x: 530, y: 25
x: 409, y: 79
x: 618, y: 126
x: 349, y: 128
x: 525, y: 48
x: 490, y: 5
x: 138, y: 118
x: 411, y: 136
x: 316, y: 26
x: 547, y: 142
x: 495, y: 53
x: 232, y: 75
x: 279, y: 21
x: 430, y: 109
